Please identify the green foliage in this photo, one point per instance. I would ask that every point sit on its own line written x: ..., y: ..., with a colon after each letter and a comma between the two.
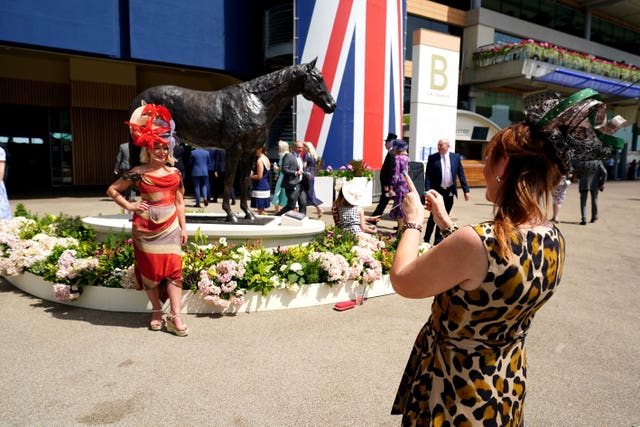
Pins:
x: 115, y: 254
x: 21, y: 210
x: 258, y: 272
x: 387, y: 253
x: 336, y: 241
x: 62, y: 225
x: 69, y: 226
x: 196, y: 256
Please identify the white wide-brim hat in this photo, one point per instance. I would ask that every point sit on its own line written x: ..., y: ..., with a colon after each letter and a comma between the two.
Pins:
x: 353, y: 192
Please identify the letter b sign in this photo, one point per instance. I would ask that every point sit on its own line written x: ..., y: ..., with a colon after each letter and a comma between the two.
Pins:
x: 438, y: 72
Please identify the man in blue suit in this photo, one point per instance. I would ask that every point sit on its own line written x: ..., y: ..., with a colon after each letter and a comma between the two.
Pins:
x: 443, y: 170
x: 199, y: 162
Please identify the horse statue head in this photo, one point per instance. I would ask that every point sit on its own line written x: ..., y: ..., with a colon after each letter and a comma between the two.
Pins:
x: 315, y: 89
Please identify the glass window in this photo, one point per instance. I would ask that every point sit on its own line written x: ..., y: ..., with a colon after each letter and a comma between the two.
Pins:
x: 456, y: 4
x: 406, y: 107
x: 486, y: 102
x: 415, y: 23
x: 500, y: 38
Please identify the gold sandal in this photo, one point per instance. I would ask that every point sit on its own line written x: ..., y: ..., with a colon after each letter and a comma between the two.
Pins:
x: 155, y: 325
x: 171, y: 326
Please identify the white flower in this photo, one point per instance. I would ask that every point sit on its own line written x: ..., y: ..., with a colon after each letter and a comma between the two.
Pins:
x: 296, y: 266
x: 275, y: 281
x: 128, y: 278
x: 223, y: 241
x: 424, y: 246
x: 293, y: 288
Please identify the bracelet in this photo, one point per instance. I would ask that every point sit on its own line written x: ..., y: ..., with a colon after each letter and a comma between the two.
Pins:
x: 412, y: 225
x: 449, y: 230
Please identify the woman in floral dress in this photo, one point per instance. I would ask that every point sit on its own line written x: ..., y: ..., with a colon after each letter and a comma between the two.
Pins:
x: 159, y: 225
x: 399, y: 185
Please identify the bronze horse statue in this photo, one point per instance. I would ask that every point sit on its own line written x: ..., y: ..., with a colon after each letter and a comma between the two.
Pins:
x: 237, y: 118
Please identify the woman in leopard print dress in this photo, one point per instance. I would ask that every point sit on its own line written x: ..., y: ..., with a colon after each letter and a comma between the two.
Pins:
x: 468, y: 364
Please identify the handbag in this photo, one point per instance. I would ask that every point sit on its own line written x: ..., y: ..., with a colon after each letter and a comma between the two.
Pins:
x: 305, y: 182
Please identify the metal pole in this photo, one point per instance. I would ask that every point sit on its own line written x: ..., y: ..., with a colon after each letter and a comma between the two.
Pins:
x: 294, y: 113
x: 587, y: 23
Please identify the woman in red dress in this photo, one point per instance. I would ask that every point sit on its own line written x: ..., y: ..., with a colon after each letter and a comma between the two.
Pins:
x: 158, y: 228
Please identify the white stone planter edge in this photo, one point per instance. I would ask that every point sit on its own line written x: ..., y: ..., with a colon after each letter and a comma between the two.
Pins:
x: 131, y: 300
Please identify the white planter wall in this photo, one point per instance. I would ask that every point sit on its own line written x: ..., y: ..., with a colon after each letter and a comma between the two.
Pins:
x: 324, y: 190
x: 131, y: 300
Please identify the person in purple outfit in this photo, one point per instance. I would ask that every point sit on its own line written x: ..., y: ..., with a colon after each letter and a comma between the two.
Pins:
x: 399, y: 185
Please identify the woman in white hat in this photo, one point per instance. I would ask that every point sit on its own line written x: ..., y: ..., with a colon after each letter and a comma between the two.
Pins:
x: 348, y: 215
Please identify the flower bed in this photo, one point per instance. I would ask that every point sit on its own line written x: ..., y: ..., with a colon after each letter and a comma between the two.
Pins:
x: 63, y: 252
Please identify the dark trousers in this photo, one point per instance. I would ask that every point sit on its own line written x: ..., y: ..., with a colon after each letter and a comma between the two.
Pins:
x: 201, y: 188
x: 382, y: 204
x: 594, y: 204
x: 447, y: 196
x: 295, y: 194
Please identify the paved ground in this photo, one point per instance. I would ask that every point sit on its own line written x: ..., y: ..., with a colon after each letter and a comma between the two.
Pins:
x: 315, y: 366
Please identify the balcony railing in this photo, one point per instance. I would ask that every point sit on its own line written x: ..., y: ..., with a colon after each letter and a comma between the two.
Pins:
x: 495, y: 54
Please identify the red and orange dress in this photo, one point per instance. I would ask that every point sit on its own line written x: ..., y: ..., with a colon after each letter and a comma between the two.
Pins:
x: 156, y: 232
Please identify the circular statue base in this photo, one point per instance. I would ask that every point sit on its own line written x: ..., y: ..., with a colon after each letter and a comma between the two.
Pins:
x: 130, y: 300
x: 272, y: 231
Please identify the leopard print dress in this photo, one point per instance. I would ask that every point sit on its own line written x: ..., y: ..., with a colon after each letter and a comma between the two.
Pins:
x: 468, y: 363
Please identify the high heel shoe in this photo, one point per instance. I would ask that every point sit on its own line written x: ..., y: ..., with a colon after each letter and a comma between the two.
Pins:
x: 319, y: 212
x: 171, y: 326
x: 155, y: 325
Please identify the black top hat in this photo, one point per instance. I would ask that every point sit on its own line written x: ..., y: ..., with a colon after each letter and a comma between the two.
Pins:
x: 391, y: 136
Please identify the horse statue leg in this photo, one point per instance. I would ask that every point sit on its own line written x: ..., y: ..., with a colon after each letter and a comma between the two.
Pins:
x: 229, y: 176
x: 244, y: 170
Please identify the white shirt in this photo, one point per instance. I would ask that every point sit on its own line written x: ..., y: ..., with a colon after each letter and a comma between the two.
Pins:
x: 446, y: 170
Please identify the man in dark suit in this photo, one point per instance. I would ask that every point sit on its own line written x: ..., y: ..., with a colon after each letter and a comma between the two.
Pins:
x: 123, y: 165
x: 292, y: 169
x: 386, y: 173
x: 443, y: 170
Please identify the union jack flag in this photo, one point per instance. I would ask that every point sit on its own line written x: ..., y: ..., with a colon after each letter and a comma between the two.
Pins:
x: 359, y: 46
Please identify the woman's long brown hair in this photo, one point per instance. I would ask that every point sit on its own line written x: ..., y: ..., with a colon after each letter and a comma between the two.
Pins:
x: 524, y: 193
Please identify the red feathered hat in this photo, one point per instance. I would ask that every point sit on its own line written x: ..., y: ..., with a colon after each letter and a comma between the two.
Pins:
x: 150, y: 123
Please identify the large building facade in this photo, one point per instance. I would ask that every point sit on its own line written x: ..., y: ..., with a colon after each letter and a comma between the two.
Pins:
x: 69, y: 71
